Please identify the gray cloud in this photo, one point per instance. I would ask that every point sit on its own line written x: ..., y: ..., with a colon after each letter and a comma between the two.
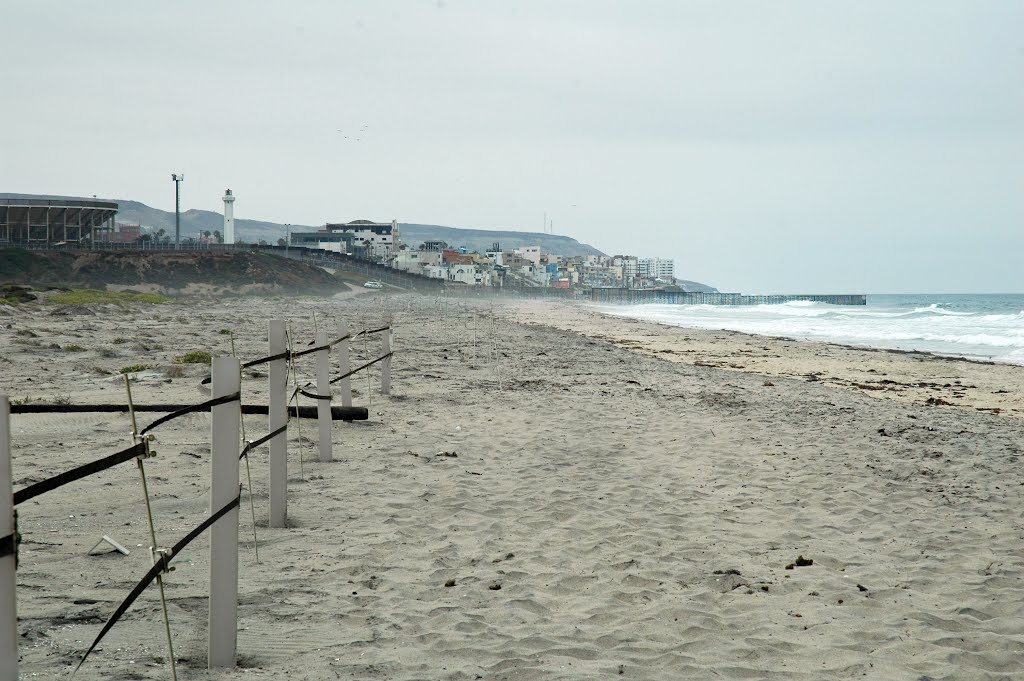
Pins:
x: 798, y: 146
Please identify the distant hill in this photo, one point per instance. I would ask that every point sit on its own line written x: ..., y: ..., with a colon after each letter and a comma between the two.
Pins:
x: 695, y: 286
x: 194, y: 222
x: 481, y: 240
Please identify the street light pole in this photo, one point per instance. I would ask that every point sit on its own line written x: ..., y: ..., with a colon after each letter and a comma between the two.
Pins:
x: 177, y: 177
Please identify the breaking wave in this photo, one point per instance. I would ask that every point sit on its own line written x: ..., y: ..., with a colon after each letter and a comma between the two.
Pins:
x: 986, y: 327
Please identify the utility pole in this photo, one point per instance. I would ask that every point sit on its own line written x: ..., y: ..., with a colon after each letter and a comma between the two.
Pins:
x: 177, y: 177
x: 287, y: 239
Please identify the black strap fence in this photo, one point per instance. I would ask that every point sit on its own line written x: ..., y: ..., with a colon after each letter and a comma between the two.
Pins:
x: 161, y: 565
x: 365, y: 366
x: 204, y: 406
x: 288, y: 354
x: 249, y: 446
x: 140, y: 450
x: 35, y: 489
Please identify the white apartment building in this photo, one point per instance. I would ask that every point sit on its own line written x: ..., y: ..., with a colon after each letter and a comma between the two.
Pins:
x: 466, y: 274
x: 663, y: 268
x: 381, y: 239
x: 436, y: 271
x: 414, y: 261
x: 531, y: 253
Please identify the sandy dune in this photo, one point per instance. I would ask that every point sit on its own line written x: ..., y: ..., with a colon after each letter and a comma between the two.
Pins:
x: 603, y: 503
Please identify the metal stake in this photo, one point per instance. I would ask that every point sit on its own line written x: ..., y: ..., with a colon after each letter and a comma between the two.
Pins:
x: 241, y: 421
x: 295, y: 382
x: 153, y: 550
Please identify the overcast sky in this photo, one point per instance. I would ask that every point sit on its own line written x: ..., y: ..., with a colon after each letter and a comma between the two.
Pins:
x: 776, y: 146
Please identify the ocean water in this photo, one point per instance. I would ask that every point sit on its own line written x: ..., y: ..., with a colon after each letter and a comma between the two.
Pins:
x: 981, y: 327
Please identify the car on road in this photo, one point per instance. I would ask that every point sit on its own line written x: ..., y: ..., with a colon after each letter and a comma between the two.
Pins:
x: 373, y: 284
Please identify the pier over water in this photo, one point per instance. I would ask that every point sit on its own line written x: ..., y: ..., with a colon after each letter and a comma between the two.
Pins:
x: 628, y: 296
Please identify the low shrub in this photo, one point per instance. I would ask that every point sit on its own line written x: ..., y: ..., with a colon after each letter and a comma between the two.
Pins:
x: 195, y: 357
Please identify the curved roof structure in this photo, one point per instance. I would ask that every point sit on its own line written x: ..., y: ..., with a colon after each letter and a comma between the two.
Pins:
x: 40, y: 219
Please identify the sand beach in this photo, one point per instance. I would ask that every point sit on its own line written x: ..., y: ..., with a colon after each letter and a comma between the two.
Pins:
x: 546, y: 494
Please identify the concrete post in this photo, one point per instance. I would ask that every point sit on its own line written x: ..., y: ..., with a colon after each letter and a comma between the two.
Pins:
x: 8, y: 580
x: 345, y: 384
x: 277, y: 417
x: 225, y: 446
x: 323, y: 387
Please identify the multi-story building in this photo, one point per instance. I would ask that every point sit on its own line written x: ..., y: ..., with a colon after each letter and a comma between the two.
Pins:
x: 414, y: 261
x: 465, y: 274
x: 324, y: 240
x: 630, y: 267
x: 656, y: 268
x: 376, y: 240
x: 531, y: 253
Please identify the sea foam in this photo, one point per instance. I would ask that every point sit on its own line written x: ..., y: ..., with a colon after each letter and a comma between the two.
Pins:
x: 981, y: 327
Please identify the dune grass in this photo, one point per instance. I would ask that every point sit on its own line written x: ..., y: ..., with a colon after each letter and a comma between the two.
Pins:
x: 194, y: 357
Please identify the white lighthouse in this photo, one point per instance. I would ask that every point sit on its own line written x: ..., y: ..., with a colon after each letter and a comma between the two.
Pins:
x: 229, y: 217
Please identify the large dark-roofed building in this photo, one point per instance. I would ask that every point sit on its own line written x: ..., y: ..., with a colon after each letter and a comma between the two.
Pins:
x: 32, y: 219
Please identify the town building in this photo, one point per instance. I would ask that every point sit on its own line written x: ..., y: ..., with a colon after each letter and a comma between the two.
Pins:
x: 339, y: 242
x: 531, y: 253
x: 656, y: 268
x: 630, y: 267
x: 372, y: 240
x: 434, y: 245
x: 414, y: 261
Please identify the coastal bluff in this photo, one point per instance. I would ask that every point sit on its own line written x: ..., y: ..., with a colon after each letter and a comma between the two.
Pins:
x: 167, y: 272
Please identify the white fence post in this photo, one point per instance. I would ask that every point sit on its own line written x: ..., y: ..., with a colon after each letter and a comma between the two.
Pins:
x: 323, y: 387
x: 385, y: 371
x: 277, y: 386
x: 345, y: 384
x: 8, y: 580
x: 225, y: 447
